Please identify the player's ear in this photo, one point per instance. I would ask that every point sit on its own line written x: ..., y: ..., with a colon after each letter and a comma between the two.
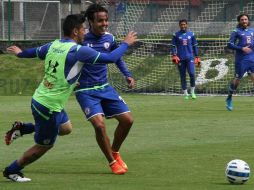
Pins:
x: 75, y: 31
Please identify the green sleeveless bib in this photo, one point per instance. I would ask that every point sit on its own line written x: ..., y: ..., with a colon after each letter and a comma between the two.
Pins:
x: 54, y: 90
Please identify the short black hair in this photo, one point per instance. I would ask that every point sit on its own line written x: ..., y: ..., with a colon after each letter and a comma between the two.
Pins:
x: 94, y: 8
x: 183, y: 20
x: 71, y: 22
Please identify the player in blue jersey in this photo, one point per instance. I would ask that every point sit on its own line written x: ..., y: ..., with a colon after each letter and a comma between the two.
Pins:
x: 241, y: 40
x: 185, y: 56
x: 64, y: 60
x: 97, y: 98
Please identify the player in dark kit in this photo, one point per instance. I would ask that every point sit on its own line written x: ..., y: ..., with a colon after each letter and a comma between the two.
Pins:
x: 241, y: 40
x: 185, y: 56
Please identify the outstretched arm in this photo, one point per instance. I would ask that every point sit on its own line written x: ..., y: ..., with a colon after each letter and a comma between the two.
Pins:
x: 88, y: 55
x: 28, y: 53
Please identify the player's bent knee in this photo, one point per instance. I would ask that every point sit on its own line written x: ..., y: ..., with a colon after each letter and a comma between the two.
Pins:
x: 65, y: 129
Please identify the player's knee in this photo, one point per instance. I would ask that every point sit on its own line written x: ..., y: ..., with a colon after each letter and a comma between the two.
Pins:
x: 65, y: 130
x: 99, y: 127
x: 127, y: 121
x: 192, y: 75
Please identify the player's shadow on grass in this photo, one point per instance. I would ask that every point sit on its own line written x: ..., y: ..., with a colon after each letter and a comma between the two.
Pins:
x: 70, y: 172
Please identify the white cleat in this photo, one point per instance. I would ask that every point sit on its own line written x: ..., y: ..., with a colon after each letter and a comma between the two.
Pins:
x: 18, y: 178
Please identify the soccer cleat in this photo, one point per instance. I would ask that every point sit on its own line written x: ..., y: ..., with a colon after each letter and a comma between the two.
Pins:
x: 117, y: 168
x: 229, y: 104
x: 193, y: 96
x: 186, y: 97
x: 14, y: 133
x: 118, y: 158
x: 17, y: 177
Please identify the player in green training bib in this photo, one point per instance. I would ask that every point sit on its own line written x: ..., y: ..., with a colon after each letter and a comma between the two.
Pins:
x: 64, y: 60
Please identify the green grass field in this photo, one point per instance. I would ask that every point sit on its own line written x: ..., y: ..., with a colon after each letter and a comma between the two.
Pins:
x: 174, y: 145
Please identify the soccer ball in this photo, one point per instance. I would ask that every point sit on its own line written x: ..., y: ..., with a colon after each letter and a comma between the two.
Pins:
x: 237, y: 171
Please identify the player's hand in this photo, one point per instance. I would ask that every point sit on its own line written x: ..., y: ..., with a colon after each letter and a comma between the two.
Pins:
x: 246, y: 49
x: 131, y: 38
x: 175, y: 59
x: 197, y: 61
x: 14, y: 50
x: 131, y: 82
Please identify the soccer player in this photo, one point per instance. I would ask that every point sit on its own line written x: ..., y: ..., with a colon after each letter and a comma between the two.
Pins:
x: 63, y: 61
x: 241, y: 40
x: 96, y: 97
x: 184, y: 48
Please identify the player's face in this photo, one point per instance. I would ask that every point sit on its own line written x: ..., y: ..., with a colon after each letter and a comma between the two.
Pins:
x: 100, y: 23
x: 244, y: 21
x: 81, y: 33
x: 183, y: 26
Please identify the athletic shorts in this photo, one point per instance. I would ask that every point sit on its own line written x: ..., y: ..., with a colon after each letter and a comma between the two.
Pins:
x: 47, y: 123
x: 105, y: 101
x: 242, y: 67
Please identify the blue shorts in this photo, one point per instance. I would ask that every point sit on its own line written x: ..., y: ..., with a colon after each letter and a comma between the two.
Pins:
x: 242, y: 67
x: 47, y: 123
x: 104, y: 101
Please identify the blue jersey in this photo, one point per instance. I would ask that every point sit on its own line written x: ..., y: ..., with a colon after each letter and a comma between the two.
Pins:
x: 76, y: 57
x: 184, y: 45
x: 240, y: 38
x: 96, y: 75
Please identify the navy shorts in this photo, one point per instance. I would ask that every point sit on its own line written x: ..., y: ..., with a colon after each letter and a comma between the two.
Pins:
x: 47, y: 123
x: 105, y: 101
x: 242, y: 67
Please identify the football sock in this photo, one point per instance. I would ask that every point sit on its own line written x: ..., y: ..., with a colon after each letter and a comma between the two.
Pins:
x: 14, y: 167
x: 185, y: 92
x: 192, y: 90
x: 231, y: 90
x: 27, y: 128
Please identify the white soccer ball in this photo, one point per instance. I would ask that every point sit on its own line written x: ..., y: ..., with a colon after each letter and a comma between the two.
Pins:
x: 237, y: 171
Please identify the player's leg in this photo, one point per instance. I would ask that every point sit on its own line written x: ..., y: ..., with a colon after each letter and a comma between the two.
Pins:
x: 91, y: 106
x: 114, y: 106
x: 104, y: 143
x: 17, y: 130
x: 65, y: 125
x: 125, y: 122
x: 251, y: 71
x: 46, y: 130
x: 182, y: 72
x: 191, y: 72
x: 239, y: 72
x: 13, y: 171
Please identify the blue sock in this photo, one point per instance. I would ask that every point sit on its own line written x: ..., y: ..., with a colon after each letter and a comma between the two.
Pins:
x: 27, y: 128
x: 231, y: 90
x: 14, y: 167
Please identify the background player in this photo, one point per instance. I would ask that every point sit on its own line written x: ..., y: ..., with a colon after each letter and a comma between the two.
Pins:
x: 184, y: 46
x: 241, y: 40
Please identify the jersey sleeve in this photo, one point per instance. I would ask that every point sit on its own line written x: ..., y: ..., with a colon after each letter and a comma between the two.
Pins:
x: 174, y: 48
x: 123, y: 68
x: 120, y: 63
x: 88, y: 55
x: 232, y: 41
x: 194, y: 45
x: 39, y: 52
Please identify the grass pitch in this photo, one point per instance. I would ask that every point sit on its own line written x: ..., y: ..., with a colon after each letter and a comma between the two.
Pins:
x: 174, y: 144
